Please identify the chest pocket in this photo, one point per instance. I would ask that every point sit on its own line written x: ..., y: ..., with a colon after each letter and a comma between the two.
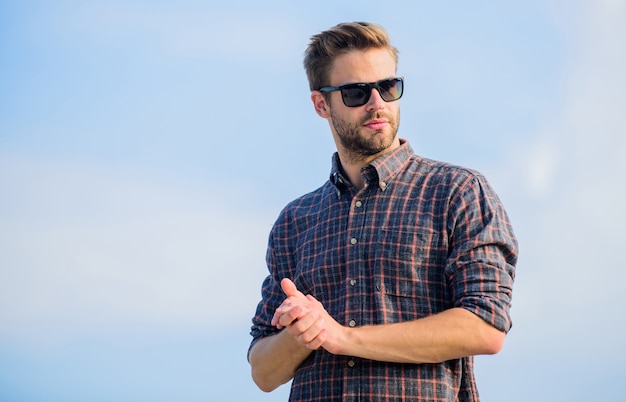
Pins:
x: 408, y: 263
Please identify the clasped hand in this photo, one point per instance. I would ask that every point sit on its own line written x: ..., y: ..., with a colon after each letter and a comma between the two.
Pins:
x: 306, y: 320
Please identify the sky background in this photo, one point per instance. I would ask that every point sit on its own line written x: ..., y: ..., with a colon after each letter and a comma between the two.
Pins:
x: 146, y: 148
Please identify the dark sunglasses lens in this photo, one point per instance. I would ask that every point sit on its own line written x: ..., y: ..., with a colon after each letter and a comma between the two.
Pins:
x: 390, y: 90
x: 355, y: 96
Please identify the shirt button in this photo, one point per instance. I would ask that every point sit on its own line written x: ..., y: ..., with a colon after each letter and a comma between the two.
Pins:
x: 352, y: 323
x: 358, y: 204
x: 353, y: 241
x: 352, y: 282
x: 351, y: 363
x: 383, y: 184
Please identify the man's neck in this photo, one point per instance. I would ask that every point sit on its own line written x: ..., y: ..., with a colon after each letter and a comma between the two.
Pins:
x: 352, y: 165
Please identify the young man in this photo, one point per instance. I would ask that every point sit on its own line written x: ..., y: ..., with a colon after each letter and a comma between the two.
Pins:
x: 385, y: 281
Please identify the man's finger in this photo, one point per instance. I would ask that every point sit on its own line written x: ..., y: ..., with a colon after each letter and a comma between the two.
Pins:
x: 290, y: 288
x: 282, y: 319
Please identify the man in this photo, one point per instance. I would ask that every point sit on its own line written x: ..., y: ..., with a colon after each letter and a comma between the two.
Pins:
x: 385, y: 281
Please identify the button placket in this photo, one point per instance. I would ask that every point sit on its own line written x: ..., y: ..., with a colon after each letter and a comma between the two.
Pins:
x: 357, y: 222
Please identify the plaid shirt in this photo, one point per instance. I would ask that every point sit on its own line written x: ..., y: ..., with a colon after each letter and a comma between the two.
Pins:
x: 421, y: 237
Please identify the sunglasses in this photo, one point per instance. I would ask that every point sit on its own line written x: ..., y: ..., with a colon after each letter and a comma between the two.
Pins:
x: 358, y: 94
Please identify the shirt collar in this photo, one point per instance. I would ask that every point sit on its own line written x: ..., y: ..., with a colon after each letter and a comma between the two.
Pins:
x: 337, y: 177
x: 381, y: 170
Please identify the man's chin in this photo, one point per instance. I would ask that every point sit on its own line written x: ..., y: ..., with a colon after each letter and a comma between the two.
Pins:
x: 381, y: 141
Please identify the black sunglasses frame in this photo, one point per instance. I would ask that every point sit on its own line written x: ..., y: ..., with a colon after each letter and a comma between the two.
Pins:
x: 367, y: 88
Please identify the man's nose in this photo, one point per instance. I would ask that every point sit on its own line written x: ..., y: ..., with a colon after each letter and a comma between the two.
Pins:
x: 375, y: 101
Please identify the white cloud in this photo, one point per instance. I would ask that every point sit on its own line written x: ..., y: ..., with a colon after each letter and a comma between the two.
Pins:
x: 572, y: 270
x: 541, y: 165
x: 583, y: 141
x: 85, y: 249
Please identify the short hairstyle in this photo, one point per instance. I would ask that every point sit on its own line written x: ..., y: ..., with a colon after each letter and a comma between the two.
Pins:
x: 340, y: 39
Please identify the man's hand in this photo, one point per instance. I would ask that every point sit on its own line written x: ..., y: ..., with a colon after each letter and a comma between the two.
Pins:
x: 306, y: 320
x: 292, y: 307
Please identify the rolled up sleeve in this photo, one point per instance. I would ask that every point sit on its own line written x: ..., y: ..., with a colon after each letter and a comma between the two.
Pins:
x: 484, y: 250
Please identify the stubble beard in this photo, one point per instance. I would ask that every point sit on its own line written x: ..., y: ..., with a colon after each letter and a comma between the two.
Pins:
x: 358, y: 146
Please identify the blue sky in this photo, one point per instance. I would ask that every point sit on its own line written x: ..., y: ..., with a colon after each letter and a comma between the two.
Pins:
x: 147, y: 147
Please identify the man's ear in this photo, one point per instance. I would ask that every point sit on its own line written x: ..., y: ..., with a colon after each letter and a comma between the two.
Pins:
x: 319, y: 103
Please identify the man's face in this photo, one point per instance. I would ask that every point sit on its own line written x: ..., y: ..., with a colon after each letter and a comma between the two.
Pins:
x: 370, y: 129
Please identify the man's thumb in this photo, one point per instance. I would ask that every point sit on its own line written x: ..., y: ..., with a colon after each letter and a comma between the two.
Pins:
x: 289, y: 288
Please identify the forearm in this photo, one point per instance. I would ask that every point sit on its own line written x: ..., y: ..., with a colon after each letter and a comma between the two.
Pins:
x: 275, y: 359
x: 449, y: 335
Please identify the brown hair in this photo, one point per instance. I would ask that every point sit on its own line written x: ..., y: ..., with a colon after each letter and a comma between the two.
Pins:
x: 338, y: 40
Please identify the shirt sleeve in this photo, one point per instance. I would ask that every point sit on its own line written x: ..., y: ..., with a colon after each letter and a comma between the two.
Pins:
x: 481, y: 263
x: 278, y: 260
